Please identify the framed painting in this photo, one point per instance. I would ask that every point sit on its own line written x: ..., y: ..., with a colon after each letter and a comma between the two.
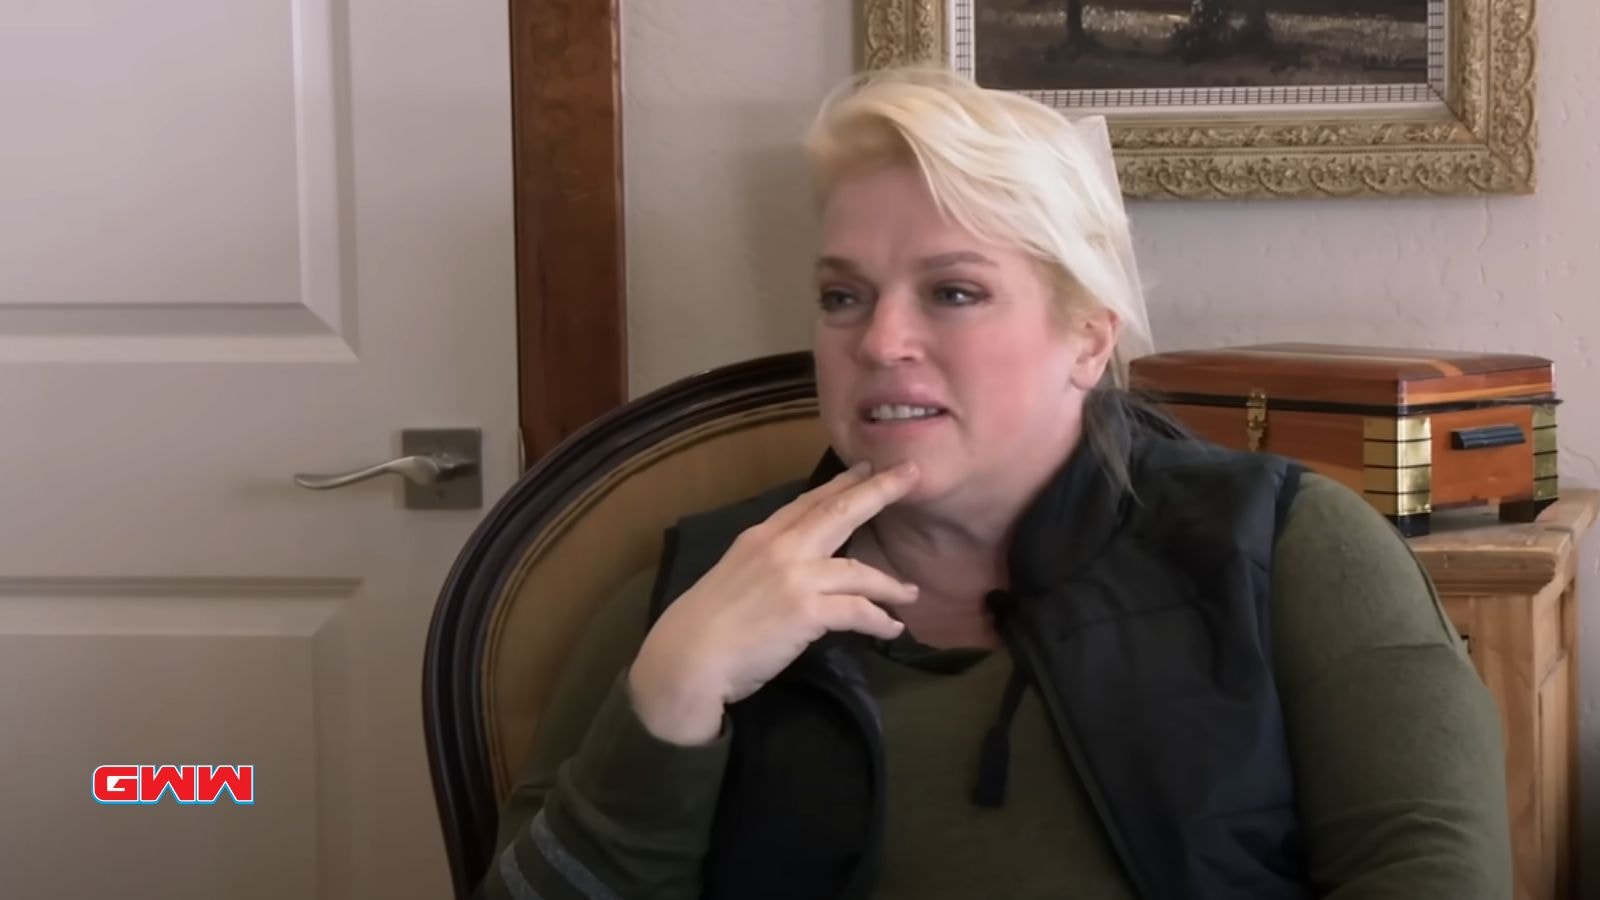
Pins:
x: 1257, y: 98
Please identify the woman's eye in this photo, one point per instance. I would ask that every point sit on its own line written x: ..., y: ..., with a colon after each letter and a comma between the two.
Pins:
x: 832, y: 299
x: 954, y: 295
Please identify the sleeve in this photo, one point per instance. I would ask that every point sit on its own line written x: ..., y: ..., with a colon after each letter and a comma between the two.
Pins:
x: 604, y: 810
x: 1397, y: 744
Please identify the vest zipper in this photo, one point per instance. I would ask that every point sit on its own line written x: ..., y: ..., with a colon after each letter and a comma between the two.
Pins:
x: 862, y: 881
x: 1021, y: 648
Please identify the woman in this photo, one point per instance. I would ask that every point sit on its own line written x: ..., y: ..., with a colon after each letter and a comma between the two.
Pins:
x: 1016, y: 637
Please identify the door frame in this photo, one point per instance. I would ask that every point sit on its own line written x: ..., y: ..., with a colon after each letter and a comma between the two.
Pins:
x: 572, y: 344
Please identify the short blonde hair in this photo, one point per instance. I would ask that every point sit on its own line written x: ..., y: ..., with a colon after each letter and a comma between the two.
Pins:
x: 1006, y: 168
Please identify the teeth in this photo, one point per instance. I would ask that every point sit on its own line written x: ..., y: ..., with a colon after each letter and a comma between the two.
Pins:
x: 889, y: 411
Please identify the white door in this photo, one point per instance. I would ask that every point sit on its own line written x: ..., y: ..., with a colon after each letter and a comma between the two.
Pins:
x: 239, y: 240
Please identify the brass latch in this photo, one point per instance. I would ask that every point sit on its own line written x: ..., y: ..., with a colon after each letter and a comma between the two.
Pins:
x: 1255, y: 418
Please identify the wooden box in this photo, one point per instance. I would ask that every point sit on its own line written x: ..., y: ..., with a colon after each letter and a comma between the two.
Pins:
x: 1411, y: 430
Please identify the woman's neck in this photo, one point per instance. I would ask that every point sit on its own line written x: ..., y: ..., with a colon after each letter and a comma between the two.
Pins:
x: 956, y: 549
x: 954, y: 570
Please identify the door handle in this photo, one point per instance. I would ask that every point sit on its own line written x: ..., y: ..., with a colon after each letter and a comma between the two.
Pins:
x: 419, y: 469
x: 440, y: 467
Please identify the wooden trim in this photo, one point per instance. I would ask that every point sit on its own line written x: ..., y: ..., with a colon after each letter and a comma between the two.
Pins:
x: 1478, y: 555
x: 572, y: 351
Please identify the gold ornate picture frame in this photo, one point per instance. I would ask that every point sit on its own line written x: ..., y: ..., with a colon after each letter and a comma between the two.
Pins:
x: 1472, y: 130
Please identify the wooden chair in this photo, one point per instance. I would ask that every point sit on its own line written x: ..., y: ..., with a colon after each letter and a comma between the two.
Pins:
x: 562, y: 541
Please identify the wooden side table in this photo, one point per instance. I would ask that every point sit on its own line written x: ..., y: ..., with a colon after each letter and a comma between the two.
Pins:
x: 1511, y: 590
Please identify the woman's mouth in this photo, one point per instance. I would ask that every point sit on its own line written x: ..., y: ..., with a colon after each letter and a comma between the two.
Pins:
x: 889, y: 413
x: 901, y: 417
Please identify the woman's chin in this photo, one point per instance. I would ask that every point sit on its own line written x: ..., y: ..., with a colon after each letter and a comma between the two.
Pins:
x: 932, y: 480
x: 932, y: 484
x: 884, y: 461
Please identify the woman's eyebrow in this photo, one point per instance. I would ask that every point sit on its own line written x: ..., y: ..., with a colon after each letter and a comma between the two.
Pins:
x: 838, y: 263
x: 938, y: 261
x: 946, y: 260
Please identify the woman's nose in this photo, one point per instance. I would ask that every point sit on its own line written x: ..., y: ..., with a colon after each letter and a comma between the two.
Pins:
x: 893, y: 334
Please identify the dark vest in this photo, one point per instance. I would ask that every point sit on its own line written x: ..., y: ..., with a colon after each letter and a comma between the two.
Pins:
x: 1142, y: 621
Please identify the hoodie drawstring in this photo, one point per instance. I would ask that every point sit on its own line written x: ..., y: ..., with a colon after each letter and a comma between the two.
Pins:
x: 994, y: 759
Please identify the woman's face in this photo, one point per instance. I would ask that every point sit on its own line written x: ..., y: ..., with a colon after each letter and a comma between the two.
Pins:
x: 934, y: 346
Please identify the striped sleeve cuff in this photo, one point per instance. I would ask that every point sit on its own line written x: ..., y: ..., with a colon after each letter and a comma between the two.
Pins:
x: 539, y: 857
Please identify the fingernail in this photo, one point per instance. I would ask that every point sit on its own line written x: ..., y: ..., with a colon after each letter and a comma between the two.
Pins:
x: 912, y: 588
x: 906, y: 469
x: 861, y: 468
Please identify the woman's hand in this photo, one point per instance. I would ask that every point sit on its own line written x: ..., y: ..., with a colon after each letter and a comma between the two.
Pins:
x: 775, y: 591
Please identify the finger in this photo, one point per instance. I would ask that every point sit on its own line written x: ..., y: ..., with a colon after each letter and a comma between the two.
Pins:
x: 858, y: 614
x: 828, y: 524
x: 841, y: 575
x: 792, y: 511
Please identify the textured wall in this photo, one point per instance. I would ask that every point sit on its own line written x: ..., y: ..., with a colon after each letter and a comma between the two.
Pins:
x: 719, y: 234
x: 719, y: 230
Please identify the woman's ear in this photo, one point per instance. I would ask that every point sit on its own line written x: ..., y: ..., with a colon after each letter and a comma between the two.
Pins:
x: 1097, y: 331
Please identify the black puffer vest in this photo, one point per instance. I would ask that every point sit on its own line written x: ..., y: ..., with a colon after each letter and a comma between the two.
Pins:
x: 1142, y: 622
